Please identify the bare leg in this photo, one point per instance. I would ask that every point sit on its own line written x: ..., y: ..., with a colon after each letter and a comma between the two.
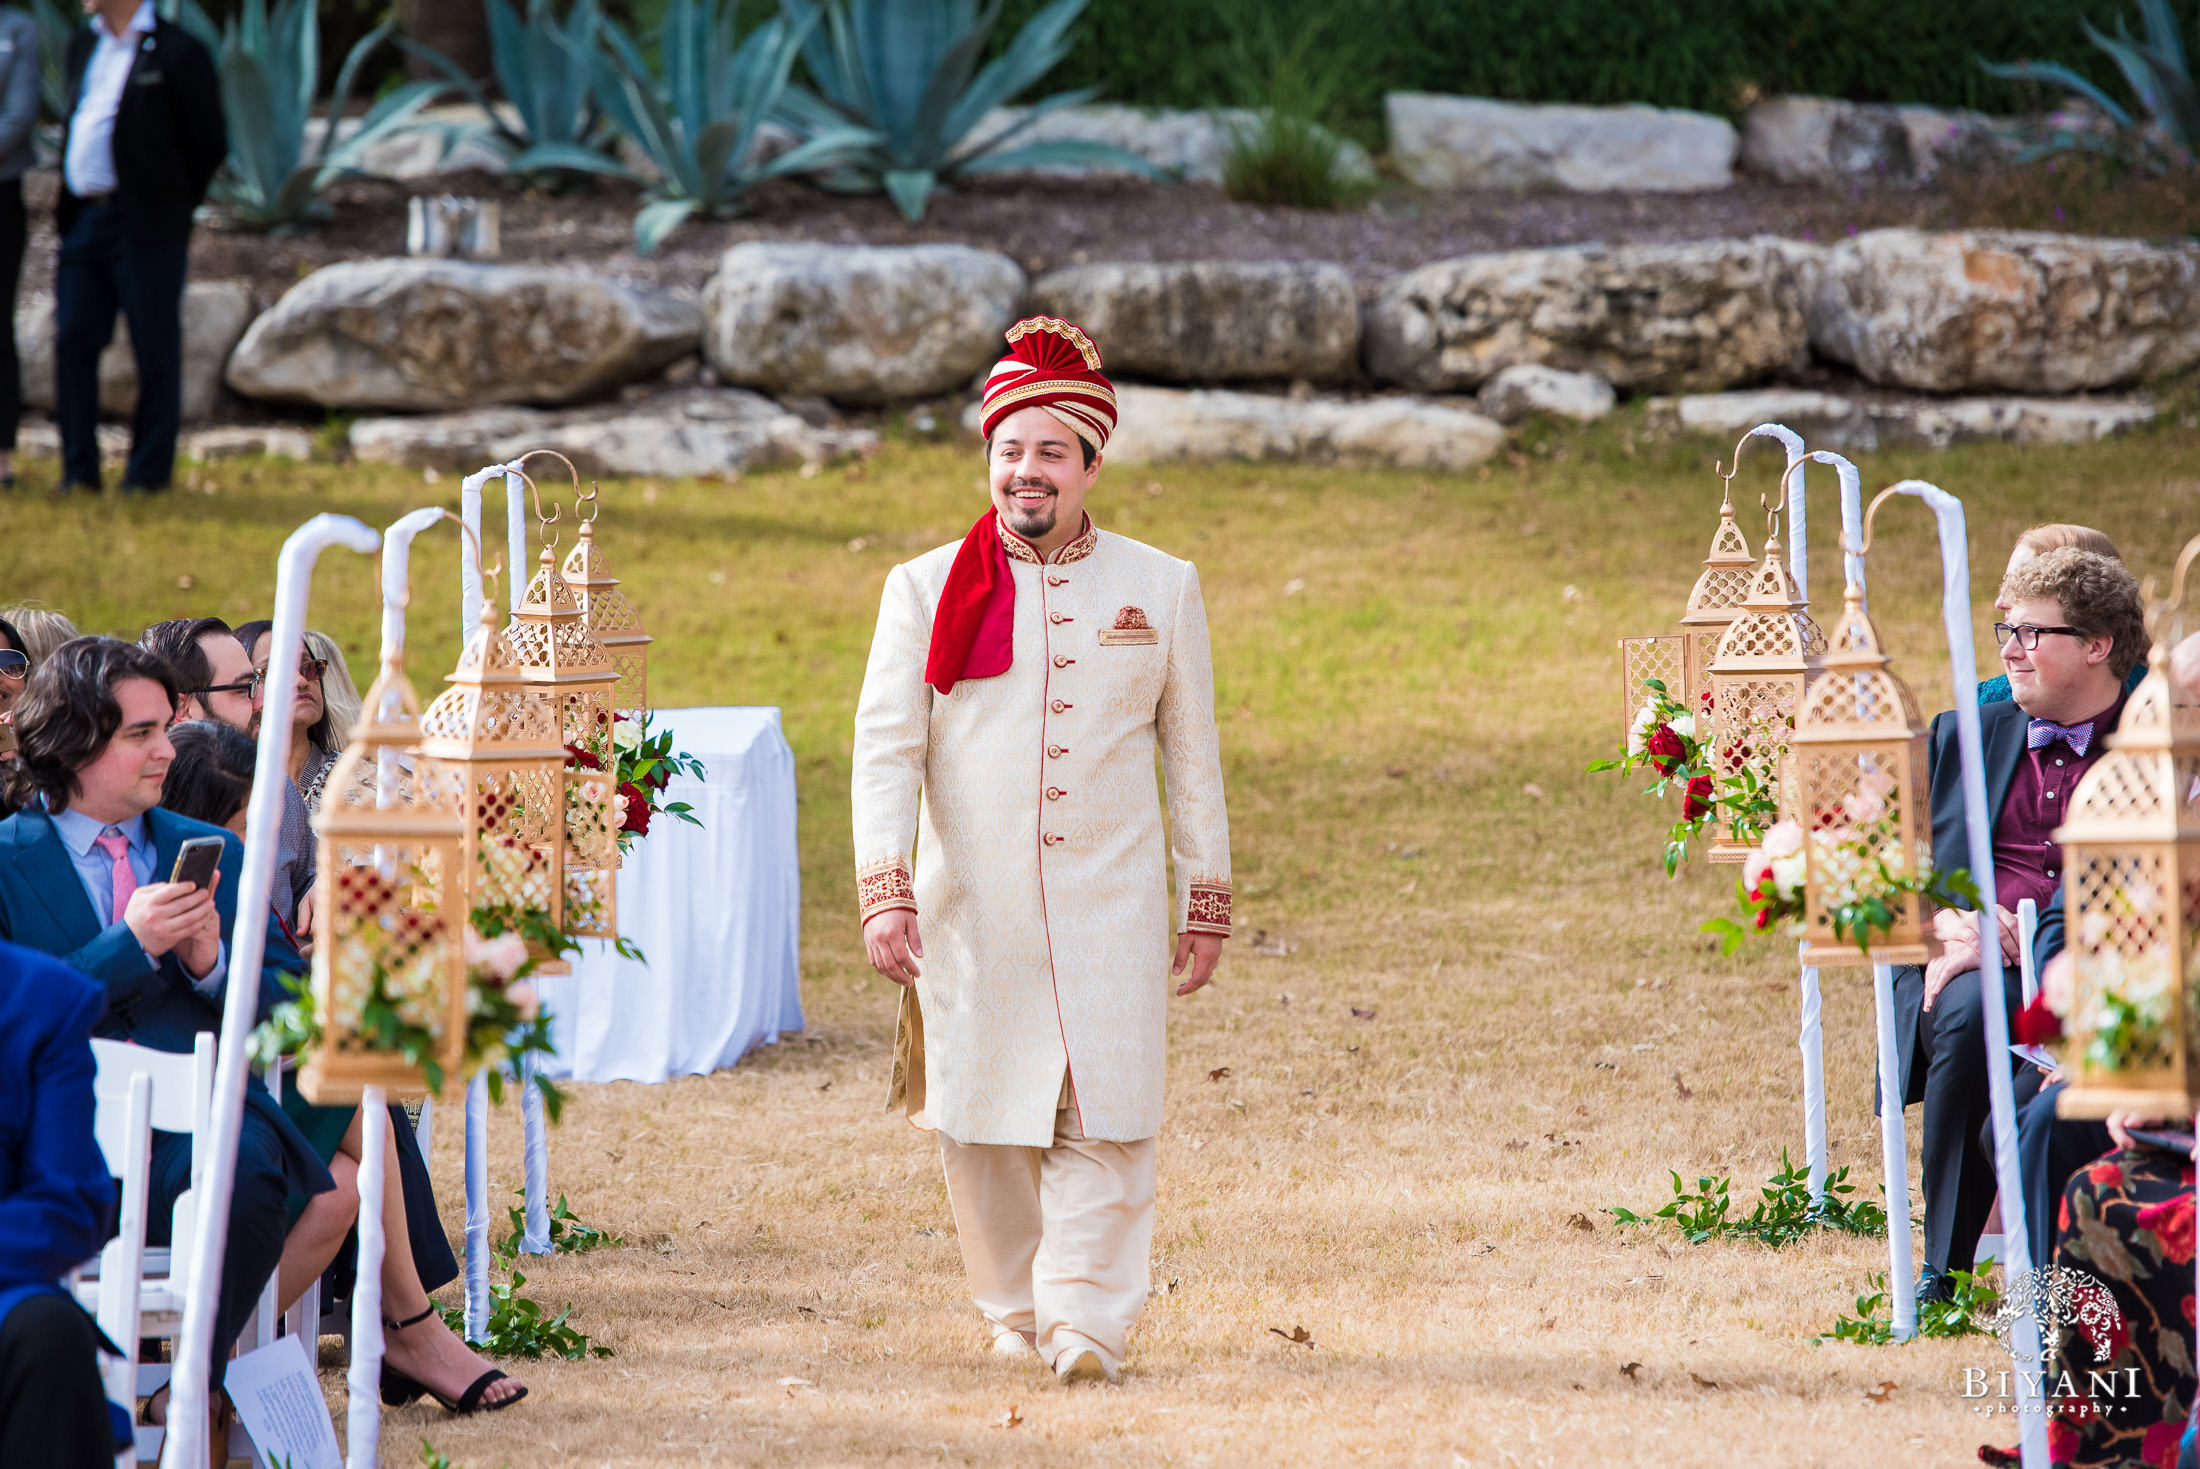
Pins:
x: 319, y: 1233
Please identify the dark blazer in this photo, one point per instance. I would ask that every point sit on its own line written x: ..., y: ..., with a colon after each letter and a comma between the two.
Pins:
x: 55, y: 1195
x: 43, y: 907
x: 169, y: 135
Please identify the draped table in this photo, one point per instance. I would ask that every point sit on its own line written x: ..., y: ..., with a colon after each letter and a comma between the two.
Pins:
x: 715, y: 910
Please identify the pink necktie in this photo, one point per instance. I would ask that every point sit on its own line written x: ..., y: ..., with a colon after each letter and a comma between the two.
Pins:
x: 117, y: 848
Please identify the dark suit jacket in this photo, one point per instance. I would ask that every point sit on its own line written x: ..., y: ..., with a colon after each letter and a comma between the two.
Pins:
x: 55, y: 1194
x: 169, y: 135
x: 43, y: 907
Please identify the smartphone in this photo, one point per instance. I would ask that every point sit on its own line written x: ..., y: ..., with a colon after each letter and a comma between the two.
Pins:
x: 196, y: 861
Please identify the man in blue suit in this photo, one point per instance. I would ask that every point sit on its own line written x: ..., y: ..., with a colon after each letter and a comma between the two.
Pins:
x: 55, y: 1197
x: 79, y: 868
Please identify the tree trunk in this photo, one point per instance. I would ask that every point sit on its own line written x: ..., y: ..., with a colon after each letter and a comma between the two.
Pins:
x: 457, y: 28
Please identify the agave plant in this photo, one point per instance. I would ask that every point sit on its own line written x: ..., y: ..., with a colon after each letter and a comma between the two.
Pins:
x: 908, y: 71
x: 57, y: 26
x: 270, y: 64
x: 547, y: 69
x: 698, y: 112
x: 2160, y: 79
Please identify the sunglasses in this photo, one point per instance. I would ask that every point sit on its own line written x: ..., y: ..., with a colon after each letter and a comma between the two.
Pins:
x: 2027, y: 636
x: 309, y: 669
x: 14, y: 665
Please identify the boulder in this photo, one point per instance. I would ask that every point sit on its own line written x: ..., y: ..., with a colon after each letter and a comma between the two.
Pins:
x: 704, y: 432
x: 858, y: 323
x: 215, y: 314
x: 1864, y: 424
x: 1703, y: 315
x: 1522, y: 391
x: 1826, y: 140
x: 1212, y: 321
x: 1162, y: 424
x: 263, y: 441
x: 447, y: 334
x: 1191, y: 146
x: 1478, y: 143
x: 2007, y: 310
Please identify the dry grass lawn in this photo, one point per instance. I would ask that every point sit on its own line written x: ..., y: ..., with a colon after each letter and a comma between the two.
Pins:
x: 1412, y: 673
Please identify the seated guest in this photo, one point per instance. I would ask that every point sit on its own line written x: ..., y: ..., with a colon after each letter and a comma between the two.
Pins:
x: 2037, y: 542
x: 319, y: 727
x: 210, y: 780
x: 55, y: 1199
x: 2073, y: 632
x: 80, y: 863
x: 15, y: 669
x: 43, y: 629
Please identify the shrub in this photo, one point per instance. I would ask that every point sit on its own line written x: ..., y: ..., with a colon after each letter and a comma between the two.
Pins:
x: 2160, y: 80
x: 547, y: 69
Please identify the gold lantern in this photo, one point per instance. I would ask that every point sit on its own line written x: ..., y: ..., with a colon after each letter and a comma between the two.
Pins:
x: 1766, y: 659
x: 1682, y: 660
x: 611, y: 617
x: 1858, y: 772
x: 2131, y: 895
x: 494, y: 750
x: 567, y: 674
x: 393, y: 920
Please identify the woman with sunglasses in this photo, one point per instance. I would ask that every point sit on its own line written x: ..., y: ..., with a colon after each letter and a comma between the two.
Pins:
x: 319, y: 727
x: 15, y: 669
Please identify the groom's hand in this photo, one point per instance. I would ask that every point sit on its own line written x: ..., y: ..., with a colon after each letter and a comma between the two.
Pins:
x: 893, y: 944
x: 1203, y: 951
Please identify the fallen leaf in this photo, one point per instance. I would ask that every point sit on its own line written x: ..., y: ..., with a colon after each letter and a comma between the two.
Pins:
x: 796, y: 1382
x: 805, y: 1311
x: 1218, y: 1073
x: 1359, y: 1014
x: 1569, y: 593
x: 1629, y: 1369
x: 1297, y: 1335
x: 1880, y: 1394
x: 1681, y: 1087
x: 1550, y: 1323
x: 825, y: 1086
x: 1532, y: 791
x: 1516, y: 1145
x: 927, y: 1231
x: 1294, y: 586
x: 1579, y: 1220
x: 186, y: 582
x: 1010, y: 1419
x: 1704, y: 1382
x: 1236, y: 1104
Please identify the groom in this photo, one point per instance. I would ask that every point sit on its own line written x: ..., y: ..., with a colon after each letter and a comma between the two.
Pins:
x: 1019, y: 685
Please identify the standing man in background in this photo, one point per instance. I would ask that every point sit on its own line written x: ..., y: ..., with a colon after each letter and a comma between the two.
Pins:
x: 19, y: 69
x: 143, y: 140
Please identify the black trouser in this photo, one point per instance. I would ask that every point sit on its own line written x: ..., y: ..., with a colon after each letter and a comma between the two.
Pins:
x: 103, y: 270
x: 1957, y: 1174
x: 2051, y: 1149
x: 53, y: 1409
x: 13, y: 227
x: 259, y: 1220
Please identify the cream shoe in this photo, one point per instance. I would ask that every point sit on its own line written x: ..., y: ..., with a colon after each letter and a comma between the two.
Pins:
x: 1012, y: 1344
x: 1083, y: 1365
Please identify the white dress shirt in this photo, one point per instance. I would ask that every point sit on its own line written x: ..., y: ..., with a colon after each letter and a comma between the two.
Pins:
x: 89, y: 168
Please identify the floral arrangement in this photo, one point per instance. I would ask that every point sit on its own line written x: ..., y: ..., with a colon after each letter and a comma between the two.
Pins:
x: 1770, y: 888
x: 2132, y: 995
x: 643, y: 764
x: 1665, y: 738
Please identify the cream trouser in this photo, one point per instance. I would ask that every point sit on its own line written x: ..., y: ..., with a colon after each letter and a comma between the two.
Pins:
x: 1055, y: 1240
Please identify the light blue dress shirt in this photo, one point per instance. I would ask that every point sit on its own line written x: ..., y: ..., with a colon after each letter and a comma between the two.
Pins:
x: 97, y: 872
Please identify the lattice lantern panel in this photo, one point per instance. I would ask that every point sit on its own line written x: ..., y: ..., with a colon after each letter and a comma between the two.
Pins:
x: 2131, y: 890
x: 1857, y: 766
x: 612, y: 618
x: 1766, y: 660
x: 1682, y: 660
x: 393, y: 925
x: 492, y: 748
x: 1664, y: 658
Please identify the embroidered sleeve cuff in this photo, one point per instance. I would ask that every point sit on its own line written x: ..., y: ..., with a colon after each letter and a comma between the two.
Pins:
x: 884, y: 886
x: 1209, y: 908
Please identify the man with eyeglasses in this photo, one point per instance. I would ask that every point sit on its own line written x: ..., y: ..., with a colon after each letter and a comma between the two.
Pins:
x: 2074, y: 629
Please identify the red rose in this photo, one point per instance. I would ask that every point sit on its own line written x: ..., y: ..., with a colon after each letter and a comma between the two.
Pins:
x: 1763, y: 920
x: 583, y: 758
x: 2036, y: 1024
x: 637, y: 809
x: 1697, y: 801
x: 1665, y: 749
x: 660, y: 777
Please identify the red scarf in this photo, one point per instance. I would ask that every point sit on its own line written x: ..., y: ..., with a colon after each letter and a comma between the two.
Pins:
x: 974, y: 630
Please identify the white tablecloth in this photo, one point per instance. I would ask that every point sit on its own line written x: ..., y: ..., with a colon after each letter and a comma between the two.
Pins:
x: 716, y: 910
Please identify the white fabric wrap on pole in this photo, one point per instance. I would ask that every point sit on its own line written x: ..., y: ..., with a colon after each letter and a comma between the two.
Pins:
x: 535, y: 1158
x: 2028, y: 925
x: 1955, y: 574
x: 477, y: 1209
x: 186, y: 1445
x: 1894, y: 1155
x: 363, y: 1418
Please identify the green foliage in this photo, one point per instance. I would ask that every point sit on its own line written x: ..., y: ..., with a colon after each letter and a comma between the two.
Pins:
x: 2161, y: 81
x: 567, y: 1234
x: 1867, y: 916
x: 547, y: 69
x: 518, y: 1327
x: 1970, y: 1299
x: 270, y: 62
x: 1783, y: 1215
x: 908, y: 73
x: 433, y: 1458
x: 696, y: 111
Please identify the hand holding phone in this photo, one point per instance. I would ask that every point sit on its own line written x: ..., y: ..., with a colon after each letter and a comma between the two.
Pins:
x: 196, y: 861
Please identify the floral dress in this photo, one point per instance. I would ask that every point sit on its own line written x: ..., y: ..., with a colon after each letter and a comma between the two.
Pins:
x: 2127, y: 1221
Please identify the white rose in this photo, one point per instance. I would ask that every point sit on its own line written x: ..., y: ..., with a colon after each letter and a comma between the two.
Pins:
x: 1683, y: 725
x: 1646, y: 723
x: 626, y: 733
x: 1784, y: 840
x: 1789, y: 872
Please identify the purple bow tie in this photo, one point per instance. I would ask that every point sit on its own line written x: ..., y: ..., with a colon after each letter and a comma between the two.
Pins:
x: 2041, y: 733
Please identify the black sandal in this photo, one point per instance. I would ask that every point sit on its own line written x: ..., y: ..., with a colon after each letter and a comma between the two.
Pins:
x: 398, y: 1389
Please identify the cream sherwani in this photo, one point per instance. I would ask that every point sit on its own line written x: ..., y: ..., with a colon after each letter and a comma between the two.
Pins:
x: 1040, y: 881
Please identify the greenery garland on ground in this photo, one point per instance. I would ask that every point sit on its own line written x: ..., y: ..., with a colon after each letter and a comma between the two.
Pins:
x: 1785, y: 1214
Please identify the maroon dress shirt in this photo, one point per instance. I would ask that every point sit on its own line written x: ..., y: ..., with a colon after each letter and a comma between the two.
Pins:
x: 2027, y: 861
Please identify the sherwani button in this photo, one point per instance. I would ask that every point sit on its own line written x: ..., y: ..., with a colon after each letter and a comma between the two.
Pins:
x: 1054, y: 793
x: 1057, y: 706
x: 1063, y: 660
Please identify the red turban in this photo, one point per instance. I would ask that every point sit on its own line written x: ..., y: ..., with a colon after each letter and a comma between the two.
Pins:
x: 1052, y: 365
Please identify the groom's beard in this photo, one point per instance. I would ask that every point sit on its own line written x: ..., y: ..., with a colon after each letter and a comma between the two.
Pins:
x: 1034, y: 522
